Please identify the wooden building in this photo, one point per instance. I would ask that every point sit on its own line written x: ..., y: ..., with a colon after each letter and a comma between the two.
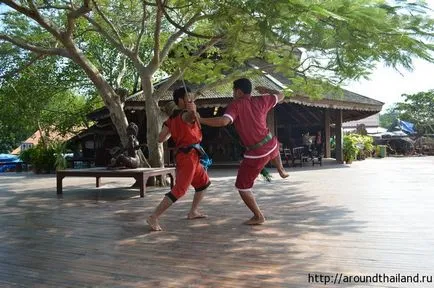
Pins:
x: 288, y: 121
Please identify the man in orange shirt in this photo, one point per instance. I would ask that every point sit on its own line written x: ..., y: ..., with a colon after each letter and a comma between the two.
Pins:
x: 185, y: 132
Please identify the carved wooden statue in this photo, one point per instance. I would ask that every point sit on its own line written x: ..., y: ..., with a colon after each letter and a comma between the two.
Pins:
x: 127, y: 157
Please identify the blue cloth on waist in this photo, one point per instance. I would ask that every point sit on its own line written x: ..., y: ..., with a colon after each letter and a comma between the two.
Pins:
x: 204, y: 158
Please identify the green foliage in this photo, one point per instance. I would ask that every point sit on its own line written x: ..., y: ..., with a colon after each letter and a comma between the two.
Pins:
x: 26, y: 155
x: 42, y: 94
x: 41, y: 158
x: 350, y: 148
x: 341, y: 39
x: 356, y: 145
x: 316, y: 44
x: 388, y: 117
x: 418, y: 109
x: 45, y: 158
x: 368, y: 143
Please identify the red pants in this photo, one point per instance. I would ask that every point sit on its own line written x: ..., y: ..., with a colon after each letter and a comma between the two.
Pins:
x: 189, y: 171
x: 250, y: 169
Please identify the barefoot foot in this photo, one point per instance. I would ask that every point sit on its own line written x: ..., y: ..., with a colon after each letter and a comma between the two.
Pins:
x: 255, y: 220
x: 196, y: 215
x: 283, y: 173
x: 153, y: 224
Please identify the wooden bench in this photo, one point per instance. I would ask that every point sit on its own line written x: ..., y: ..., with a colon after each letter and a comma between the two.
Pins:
x: 140, y: 174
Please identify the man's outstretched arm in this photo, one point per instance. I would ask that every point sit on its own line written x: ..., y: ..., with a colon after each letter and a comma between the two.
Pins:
x: 215, y: 121
x: 265, y: 90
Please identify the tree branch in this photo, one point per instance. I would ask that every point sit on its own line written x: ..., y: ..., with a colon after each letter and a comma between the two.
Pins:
x: 122, y: 72
x: 57, y: 7
x: 119, y: 45
x: 172, y: 79
x: 155, y: 62
x: 142, y: 30
x: 228, y: 78
x: 74, y: 14
x: 174, y: 37
x: 37, y: 49
x: 168, y: 7
x: 210, y: 44
x: 184, y: 28
x: 108, y: 22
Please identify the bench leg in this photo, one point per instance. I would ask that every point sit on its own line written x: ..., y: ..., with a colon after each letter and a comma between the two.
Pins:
x: 59, y: 184
x: 98, y: 182
x: 141, y: 180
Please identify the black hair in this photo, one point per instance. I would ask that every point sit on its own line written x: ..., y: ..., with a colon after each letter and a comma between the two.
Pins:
x: 180, y: 93
x: 244, y: 85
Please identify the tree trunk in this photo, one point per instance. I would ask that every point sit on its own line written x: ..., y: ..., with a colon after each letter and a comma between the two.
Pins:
x: 111, y: 99
x: 109, y: 96
x: 154, y: 122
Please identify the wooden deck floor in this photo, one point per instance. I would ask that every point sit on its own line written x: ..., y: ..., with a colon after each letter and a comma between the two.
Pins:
x: 375, y: 217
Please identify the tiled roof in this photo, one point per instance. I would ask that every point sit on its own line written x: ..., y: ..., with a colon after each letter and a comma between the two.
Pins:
x: 34, y: 140
x: 221, y: 96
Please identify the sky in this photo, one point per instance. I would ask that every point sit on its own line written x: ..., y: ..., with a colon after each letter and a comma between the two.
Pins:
x: 387, y: 85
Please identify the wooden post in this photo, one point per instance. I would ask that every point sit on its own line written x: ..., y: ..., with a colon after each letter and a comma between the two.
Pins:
x: 339, y: 138
x: 327, y: 153
x: 271, y: 122
x: 59, y: 181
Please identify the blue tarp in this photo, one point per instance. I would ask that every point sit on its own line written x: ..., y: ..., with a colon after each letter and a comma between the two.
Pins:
x: 8, y: 158
x: 407, y: 127
x: 404, y: 126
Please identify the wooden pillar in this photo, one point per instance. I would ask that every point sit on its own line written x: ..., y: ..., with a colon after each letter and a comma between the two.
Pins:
x: 339, y: 138
x: 327, y: 133
x: 166, y: 155
x: 271, y: 124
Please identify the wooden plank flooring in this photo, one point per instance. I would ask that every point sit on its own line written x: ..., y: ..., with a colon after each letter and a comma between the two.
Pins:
x: 373, y: 217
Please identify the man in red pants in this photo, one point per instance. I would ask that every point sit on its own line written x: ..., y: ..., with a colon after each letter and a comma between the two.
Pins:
x: 249, y: 115
x: 185, y: 132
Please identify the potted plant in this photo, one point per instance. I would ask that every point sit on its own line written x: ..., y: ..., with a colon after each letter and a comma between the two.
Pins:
x: 350, y: 148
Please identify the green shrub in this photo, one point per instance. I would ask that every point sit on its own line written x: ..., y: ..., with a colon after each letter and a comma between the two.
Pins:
x: 368, y: 141
x: 41, y: 158
x: 350, y: 149
x: 357, y: 146
x: 25, y: 155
